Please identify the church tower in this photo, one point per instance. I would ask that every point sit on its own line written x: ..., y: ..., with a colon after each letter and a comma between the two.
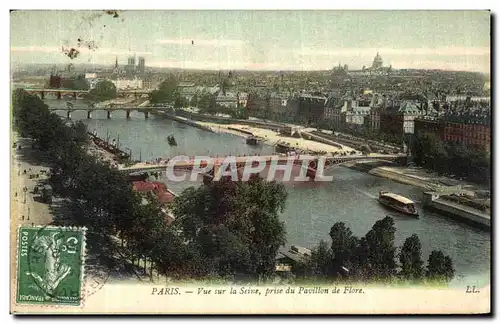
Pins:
x: 115, y: 70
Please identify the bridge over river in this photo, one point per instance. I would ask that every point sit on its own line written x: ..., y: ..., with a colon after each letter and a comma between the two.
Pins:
x: 213, y: 164
x: 60, y: 93
x: 112, y: 108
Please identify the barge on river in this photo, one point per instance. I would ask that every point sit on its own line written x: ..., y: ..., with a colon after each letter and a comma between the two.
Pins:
x: 398, y: 202
x: 109, y: 147
x: 252, y: 140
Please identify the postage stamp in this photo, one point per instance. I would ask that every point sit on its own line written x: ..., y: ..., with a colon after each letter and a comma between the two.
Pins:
x: 50, y: 267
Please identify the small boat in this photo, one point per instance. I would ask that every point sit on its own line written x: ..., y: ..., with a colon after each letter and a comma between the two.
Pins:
x: 171, y: 140
x: 398, y: 202
x: 252, y: 140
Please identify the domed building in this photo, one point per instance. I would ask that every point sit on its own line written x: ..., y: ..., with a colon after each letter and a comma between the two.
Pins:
x: 377, y: 62
x: 377, y: 68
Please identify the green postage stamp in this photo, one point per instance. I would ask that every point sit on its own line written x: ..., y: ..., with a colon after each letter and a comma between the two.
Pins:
x: 50, y: 265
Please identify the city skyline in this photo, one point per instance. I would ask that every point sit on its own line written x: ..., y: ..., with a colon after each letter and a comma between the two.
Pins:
x: 256, y: 40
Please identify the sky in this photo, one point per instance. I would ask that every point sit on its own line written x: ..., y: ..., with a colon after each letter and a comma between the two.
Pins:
x: 256, y: 40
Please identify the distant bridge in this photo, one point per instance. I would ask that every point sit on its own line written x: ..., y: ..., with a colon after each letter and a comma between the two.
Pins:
x: 242, y: 161
x: 109, y: 109
x: 60, y: 93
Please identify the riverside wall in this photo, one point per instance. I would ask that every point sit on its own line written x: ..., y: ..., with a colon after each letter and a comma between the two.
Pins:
x: 320, y: 139
x: 461, y: 212
x: 224, y: 120
x: 182, y: 120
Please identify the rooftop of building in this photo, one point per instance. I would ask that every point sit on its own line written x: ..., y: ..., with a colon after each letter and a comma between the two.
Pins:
x: 465, y: 97
x: 459, y: 118
x: 310, y: 96
x: 359, y: 110
x: 409, y: 107
x: 295, y: 253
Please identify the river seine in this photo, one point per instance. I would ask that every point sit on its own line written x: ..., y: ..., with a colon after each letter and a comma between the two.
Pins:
x: 310, y: 210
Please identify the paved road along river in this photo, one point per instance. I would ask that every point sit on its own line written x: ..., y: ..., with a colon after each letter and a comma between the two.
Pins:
x: 310, y: 210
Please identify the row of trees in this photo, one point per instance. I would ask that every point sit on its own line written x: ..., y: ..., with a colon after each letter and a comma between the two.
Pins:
x: 238, y: 112
x: 101, y: 198
x: 375, y: 257
x: 168, y: 93
x: 232, y: 227
x: 103, y: 90
x: 449, y: 158
x: 364, y: 132
x: 219, y: 230
x: 77, y: 83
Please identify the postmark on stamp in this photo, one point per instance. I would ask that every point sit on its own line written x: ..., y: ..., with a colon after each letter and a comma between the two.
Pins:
x: 50, y: 265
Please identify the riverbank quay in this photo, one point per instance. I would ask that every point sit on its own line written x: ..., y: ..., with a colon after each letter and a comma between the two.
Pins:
x: 394, y: 173
x: 468, y: 214
x: 413, y: 176
x: 437, y: 192
x: 195, y: 116
x: 181, y: 120
x: 271, y: 137
x: 266, y: 132
x: 326, y: 137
